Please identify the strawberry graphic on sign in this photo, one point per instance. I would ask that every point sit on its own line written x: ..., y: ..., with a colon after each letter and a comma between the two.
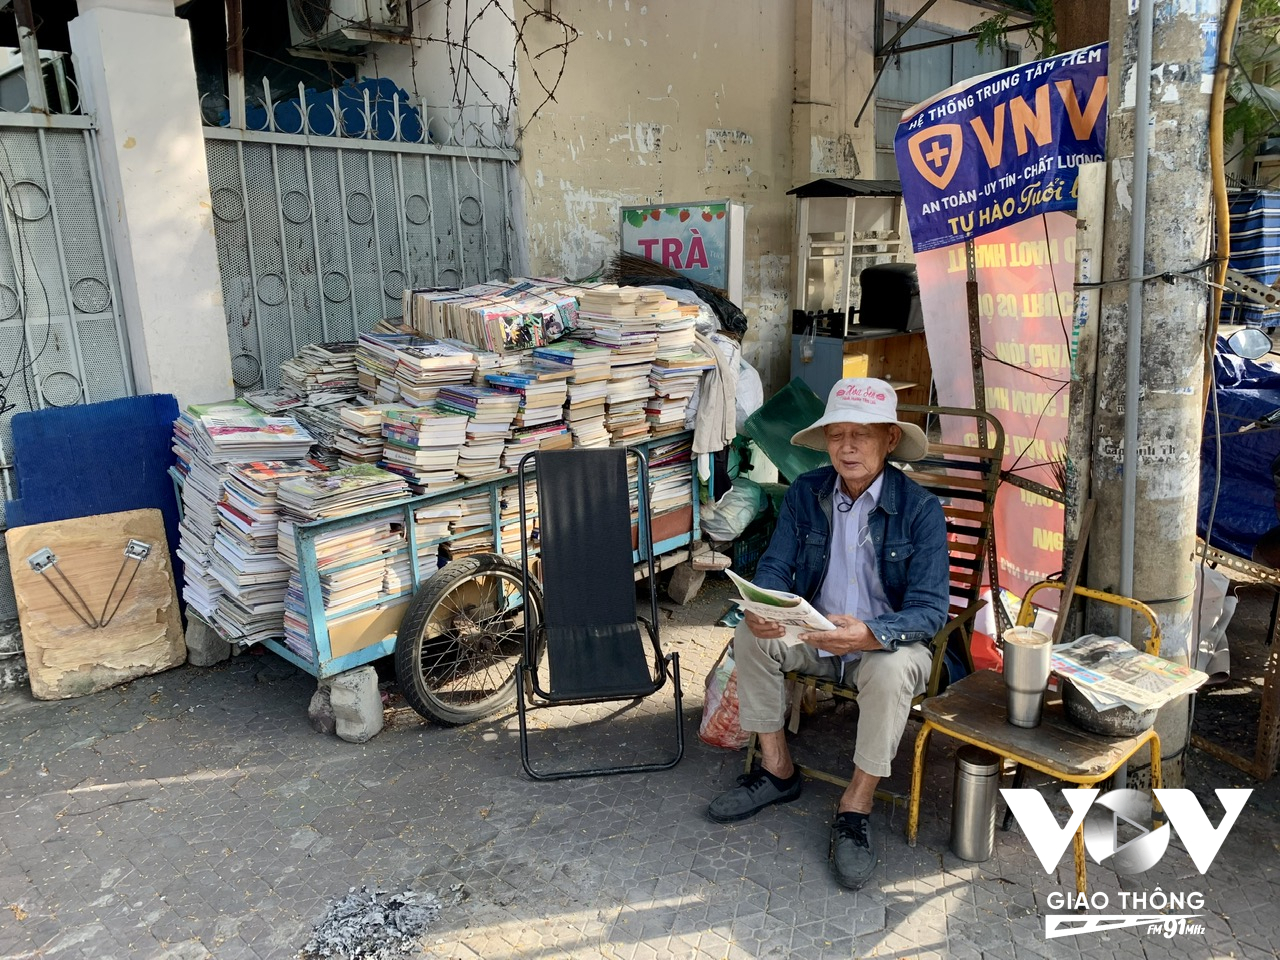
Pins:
x: 666, y: 234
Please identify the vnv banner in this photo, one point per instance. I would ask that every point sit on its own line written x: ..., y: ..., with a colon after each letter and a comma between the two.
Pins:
x: 1003, y: 147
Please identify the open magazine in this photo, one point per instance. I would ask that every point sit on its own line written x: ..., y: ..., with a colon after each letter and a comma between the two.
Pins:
x: 1110, y: 672
x: 794, y: 612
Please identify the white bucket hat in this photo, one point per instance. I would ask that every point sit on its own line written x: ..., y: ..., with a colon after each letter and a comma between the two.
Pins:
x: 864, y: 400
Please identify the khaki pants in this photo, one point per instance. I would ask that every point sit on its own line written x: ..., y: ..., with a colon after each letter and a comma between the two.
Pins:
x: 886, y: 682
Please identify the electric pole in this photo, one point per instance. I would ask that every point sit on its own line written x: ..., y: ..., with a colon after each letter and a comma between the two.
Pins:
x: 1152, y: 326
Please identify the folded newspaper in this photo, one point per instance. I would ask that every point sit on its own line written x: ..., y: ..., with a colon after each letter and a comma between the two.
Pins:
x: 794, y: 612
x: 1111, y: 673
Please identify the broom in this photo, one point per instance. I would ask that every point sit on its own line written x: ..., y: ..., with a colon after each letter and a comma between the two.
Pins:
x: 632, y: 266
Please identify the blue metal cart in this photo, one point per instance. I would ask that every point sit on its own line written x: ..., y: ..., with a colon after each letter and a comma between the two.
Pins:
x: 471, y: 609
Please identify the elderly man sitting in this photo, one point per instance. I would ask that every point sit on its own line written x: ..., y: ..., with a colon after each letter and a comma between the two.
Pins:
x: 867, y: 547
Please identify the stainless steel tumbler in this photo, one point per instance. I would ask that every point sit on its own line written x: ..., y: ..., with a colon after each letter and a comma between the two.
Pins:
x: 1026, y: 674
x: 973, y: 803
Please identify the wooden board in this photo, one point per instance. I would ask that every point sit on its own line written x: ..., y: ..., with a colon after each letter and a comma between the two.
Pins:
x: 66, y: 658
x: 974, y: 708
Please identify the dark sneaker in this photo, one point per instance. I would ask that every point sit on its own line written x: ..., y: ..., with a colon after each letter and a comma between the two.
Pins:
x: 852, y: 858
x: 755, y: 791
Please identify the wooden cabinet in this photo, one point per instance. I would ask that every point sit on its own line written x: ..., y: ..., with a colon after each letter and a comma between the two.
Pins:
x: 900, y: 358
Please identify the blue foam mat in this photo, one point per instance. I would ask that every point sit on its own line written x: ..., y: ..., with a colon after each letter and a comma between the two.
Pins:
x: 96, y: 458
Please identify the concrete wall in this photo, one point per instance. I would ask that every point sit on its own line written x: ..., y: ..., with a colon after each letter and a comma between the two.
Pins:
x: 136, y: 76
x: 665, y: 101
x: 464, y: 57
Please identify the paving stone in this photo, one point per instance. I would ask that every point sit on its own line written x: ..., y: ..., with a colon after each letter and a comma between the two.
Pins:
x: 249, y: 826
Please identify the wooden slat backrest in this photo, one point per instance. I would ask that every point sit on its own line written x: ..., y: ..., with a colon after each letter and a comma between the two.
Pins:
x: 964, y: 478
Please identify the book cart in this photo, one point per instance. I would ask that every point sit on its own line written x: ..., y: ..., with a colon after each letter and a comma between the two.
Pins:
x: 369, y: 632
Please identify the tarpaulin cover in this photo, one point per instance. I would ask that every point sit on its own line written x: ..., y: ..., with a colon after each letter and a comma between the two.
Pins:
x: 1246, y: 492
x: 1255, y: 250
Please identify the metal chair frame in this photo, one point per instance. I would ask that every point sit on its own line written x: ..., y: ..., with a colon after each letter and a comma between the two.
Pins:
x: 531, y: 692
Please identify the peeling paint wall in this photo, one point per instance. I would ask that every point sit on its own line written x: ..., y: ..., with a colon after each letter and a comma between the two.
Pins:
x: 662, y: 101
x: 667, y: 102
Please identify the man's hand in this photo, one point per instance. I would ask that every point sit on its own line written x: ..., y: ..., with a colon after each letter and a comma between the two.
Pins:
x: 850, y: 636
x: 764, y: 629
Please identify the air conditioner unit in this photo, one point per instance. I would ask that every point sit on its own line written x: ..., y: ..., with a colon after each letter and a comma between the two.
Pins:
x: 346, y: 24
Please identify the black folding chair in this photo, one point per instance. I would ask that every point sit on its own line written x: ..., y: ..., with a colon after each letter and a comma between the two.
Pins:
x: 589, y: 637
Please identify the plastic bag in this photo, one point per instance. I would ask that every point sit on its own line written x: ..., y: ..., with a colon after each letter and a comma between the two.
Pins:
x: 729, y: 516
x: 750, y: 396
x: 719, y: 726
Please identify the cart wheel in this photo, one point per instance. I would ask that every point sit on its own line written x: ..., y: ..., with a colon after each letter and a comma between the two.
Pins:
x: 459, y: 645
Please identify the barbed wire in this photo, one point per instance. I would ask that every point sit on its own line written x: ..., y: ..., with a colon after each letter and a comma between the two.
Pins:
x: 547, y: 64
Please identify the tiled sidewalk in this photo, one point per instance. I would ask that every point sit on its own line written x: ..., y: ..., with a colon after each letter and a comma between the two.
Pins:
x: 196, y: 814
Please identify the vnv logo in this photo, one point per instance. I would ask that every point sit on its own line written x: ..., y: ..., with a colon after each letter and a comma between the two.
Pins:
x: 1125, y: 812
x: 935, y: 151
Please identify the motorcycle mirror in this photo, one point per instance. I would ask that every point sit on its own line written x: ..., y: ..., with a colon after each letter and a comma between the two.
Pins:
x: 1250, y: 343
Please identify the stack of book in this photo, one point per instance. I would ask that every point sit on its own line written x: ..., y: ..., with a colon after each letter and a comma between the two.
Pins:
x: 377, y: 357
x: 244, y: 437
x: 359, y: 438
x: 523, y: 440
x: 671, y: 476
x: 509, y: 520
x: 488, y: 362
x: 542, y: 392
x: 628, y: 393
x: 322, y: 372
x: 422, y: 445
x: 273, y: 402
x: 207, y: 440
x: 673, y: 383
x: 584, y: 408
x: 490, y: 414
x: 423, y: 368
x: 472, y: 528
x: 497, y: 317
x: 324, y: 424
x: 352, y: 562
x: 245, y: 559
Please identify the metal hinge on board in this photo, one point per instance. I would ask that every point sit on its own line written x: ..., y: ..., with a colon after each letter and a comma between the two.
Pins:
x: 45, y: 562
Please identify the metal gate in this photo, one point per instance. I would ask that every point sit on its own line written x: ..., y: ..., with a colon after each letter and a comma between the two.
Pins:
x: 62, y: 333
x: 319, y: 237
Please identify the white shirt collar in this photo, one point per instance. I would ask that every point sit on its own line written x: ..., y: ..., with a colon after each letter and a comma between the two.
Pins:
x: 872, y: 492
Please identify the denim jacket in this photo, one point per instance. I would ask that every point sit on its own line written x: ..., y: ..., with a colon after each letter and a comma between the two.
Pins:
x: 908, y: 531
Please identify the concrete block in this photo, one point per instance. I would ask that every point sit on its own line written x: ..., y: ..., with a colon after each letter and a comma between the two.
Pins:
x: 685, y: 583
x: 204, y: 646
x: 320, y: 711
x: 13, y: 673
x: 357, y: 705
x: 13, y: 663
